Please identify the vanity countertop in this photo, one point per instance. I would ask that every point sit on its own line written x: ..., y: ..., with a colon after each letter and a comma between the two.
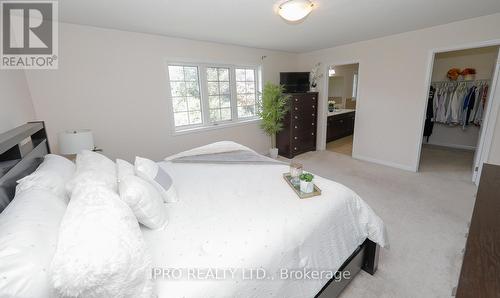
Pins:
x: 340, y: 111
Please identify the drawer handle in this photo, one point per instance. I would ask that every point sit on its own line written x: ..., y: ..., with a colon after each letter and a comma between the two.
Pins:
x: 312, y: 114
x: 296, y: 117
x: 312, y: 133
x: 314, y: 106
x: 295, y: 126
x: 296, y: 109
x: 295, y: 148
x: 312, y: 124
x: 295, y: 138
x: 296, y: 99
x: 314, y: 97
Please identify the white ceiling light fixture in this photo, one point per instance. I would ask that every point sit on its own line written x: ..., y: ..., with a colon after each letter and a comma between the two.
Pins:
x: 295, y: 10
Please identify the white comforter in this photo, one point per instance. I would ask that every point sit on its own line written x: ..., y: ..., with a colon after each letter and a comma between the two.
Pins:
x: 246, y: 216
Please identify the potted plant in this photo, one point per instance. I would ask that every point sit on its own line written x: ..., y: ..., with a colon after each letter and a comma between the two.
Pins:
x: 331, y: 105
x: 306, y: 184
x: 273, y: 107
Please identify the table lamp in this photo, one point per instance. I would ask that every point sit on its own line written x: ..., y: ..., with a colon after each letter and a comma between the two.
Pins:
x: 72, y: 142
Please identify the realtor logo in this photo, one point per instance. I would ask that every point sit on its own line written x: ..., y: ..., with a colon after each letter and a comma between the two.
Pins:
x: 29, y: 35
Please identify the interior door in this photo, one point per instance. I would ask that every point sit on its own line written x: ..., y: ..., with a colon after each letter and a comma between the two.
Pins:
x: 485, y: 132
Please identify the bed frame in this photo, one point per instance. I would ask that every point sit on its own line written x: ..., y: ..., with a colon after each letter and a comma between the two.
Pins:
x: 28, y: 144
x: 25, y: 146
x: 365, y: 257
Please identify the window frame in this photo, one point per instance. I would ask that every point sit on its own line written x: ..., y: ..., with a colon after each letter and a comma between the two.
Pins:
x: 204, y: 96
x: 172, y: 97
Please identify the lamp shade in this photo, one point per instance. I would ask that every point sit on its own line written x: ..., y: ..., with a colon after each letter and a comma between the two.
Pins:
x: 74, y: 141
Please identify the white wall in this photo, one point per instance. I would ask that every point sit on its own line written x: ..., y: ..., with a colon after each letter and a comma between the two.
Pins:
x: 336, y: 86
x: 393, y: 77
x: 114, y: 82
x: 483, y: 60
x: 15, y: 100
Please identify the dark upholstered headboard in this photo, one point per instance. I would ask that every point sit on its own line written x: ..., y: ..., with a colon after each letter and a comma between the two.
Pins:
x: 21, y: 151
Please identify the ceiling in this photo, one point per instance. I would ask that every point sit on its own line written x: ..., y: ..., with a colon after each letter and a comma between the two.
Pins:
x: 254, y: 23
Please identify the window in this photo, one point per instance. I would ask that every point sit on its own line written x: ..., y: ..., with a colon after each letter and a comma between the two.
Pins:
x: 355, y: 86
x: 219, y: 94
x: 185, y: 90
x: 204, y: 95
x: 246, y: 92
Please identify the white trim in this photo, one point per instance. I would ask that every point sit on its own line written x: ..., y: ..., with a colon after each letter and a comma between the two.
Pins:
x: 492, y: 112
x: 323, y: 103
x: 384, y: 163
x: 430, y: 66
x: 454, y: 146
x: 215, y: 126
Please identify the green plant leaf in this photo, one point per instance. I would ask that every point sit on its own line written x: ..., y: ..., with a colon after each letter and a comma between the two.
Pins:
x: 273, y: 107
x: 307, y: 177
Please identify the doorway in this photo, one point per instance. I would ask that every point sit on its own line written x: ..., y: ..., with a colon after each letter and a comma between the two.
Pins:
x: 341, y: 114
x: 457, y: 105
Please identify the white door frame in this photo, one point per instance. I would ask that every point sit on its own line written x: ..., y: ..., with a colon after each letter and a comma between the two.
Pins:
x: 323, y: 105
x: 491, y: 110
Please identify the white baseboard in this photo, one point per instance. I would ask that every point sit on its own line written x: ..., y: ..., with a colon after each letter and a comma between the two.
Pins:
x: 385, y: 163
x: 455, y: 146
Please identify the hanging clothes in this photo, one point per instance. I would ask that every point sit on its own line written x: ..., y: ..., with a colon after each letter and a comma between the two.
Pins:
x: 459, y: 103
x: 443, y: 105
x: 467, y: 106
x: 478, y: 119
x: 479, y: 93
x: 452, y: 108
x: 429, y: 124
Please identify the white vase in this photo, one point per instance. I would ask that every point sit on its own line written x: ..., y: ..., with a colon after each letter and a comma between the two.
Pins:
x: 306, y: 187
x: 273, y: 153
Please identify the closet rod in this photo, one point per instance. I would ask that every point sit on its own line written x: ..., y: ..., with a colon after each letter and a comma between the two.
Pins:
x: 464, y: 81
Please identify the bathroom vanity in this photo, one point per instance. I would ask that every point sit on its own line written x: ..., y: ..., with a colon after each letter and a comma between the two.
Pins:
x: 340, y: 124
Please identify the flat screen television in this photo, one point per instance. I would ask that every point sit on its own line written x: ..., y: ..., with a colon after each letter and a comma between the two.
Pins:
x: 295, y: 82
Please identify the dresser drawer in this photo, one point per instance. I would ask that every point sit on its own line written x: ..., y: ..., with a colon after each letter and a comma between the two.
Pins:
x: 300, y: 125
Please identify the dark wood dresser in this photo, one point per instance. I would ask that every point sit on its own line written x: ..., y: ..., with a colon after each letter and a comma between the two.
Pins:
x: 480, y: 274
x: 299, y: 126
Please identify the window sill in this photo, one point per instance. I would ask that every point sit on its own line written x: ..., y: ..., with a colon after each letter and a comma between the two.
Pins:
x: 215, y: 127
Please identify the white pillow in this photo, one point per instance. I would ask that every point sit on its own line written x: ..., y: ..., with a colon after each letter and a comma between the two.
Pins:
x: 144, y: 200
x: 93, y: 168
x: 124, y: 169
x: 154, y: 174
x: 100, y: 252
x: 89, y: 160
x: 52, y: 174
x: 29, y: 228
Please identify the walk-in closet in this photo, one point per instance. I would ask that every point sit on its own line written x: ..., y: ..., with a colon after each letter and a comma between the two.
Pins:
x: 457, y: 103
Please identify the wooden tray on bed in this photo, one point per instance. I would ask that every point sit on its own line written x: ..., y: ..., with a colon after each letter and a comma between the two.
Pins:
x: 302, y: 195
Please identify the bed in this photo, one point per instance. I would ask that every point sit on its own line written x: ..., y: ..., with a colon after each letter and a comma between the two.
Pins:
x: 238, y: 230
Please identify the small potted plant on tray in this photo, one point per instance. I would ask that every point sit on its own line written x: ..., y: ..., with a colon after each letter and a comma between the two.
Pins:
x: 306, y: 184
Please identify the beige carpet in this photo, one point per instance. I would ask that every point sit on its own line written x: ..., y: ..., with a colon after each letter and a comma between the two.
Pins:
x: 426, y: 215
